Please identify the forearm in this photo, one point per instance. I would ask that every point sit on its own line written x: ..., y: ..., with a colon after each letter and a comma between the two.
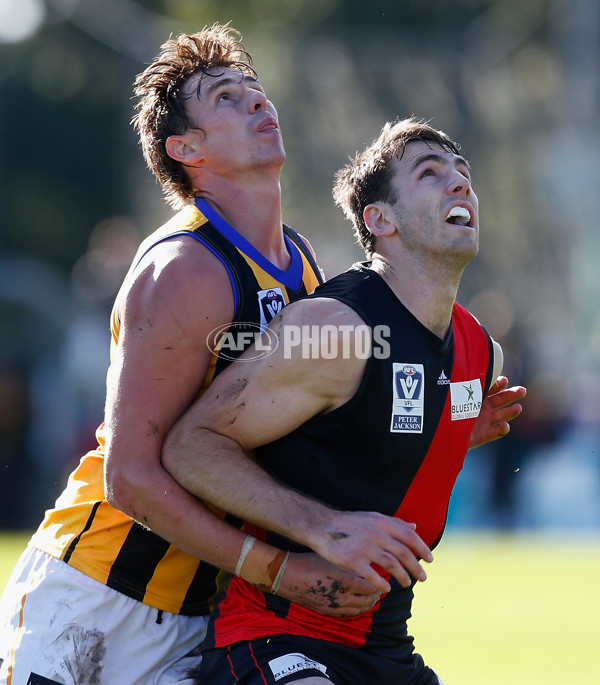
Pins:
x: 215, y: 468
x: 192, y: 527
x: 154, y: 499
x: 351, y: 540
x: 162, y: 505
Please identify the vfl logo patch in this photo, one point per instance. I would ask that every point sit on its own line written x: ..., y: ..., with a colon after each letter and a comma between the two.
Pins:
x: 270, y: 303
x: 294, y: 663
x: 465, y: 399
x: 408, y: 403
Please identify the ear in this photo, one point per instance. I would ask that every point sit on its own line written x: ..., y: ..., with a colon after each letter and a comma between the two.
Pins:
x: 379, y: 219
x: 185, y: 148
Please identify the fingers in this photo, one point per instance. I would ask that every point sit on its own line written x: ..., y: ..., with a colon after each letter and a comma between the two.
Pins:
x: 497, y: 431
x: 406, y: 569
x: 352, y: 605
x: 396, y: 548
x: 342, y: 593
x: 505, y: 414
x: 316, y: 584
x: 504, y: 397
x: 500, y: 384
x: 337, y: 599
x: 403, y: 566
x: 372, y: 576
x: 401, y: 559
x: 356, y: 587
x: 370, y: 544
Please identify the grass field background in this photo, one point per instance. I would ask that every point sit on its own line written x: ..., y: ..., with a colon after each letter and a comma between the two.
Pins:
x: 496, y: 609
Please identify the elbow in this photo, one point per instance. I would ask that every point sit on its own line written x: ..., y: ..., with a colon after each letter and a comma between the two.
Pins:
x: 118, y: 494
x: 115, y: 498
x: 120, y: 487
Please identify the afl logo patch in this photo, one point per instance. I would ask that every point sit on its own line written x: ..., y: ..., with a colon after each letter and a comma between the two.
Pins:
x: 270, y: 303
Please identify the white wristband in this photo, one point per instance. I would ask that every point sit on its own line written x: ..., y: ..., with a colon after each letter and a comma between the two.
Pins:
x: 246, y: 547
x: 279, y: 576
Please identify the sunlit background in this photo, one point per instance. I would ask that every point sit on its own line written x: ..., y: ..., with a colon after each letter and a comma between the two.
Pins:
x: 517, y: 83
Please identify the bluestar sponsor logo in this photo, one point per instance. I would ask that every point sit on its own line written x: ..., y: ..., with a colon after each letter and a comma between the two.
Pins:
x: 294, y: 663
x: 466, y: 398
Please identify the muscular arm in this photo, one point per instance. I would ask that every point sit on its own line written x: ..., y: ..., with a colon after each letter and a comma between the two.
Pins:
x: 157, y: 367
x: 167, y: 308
x: 256, y: 402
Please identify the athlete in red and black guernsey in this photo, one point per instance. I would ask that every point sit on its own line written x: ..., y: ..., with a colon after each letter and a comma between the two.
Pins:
x: 117, y: 582
x: 368, y: 403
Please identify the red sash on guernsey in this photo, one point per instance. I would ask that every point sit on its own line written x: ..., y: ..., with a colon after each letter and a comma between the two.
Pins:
x: 243, y: 614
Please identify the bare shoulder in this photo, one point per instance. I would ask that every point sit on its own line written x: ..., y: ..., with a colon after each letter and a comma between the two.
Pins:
x: 317, y: 350
x: 179, y: 279
x: 179, y: 263
x: 259, y: 398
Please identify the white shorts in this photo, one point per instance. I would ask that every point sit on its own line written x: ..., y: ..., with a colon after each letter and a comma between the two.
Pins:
x: 58, y: 624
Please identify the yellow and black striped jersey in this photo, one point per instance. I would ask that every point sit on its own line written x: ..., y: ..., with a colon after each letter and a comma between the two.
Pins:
x: 88, y: 533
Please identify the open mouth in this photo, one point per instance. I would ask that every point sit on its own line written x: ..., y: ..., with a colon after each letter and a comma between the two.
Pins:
x: 459, y: 216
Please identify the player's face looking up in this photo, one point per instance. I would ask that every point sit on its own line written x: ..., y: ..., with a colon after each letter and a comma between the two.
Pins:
x: 436, y: 209
x: 232, y: 125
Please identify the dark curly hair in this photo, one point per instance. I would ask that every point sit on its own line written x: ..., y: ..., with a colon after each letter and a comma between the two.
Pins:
x: 160, y: 110
x: 367, y: 178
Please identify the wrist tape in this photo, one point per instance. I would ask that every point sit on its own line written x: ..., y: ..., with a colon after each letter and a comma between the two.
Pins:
x: 261, y: 564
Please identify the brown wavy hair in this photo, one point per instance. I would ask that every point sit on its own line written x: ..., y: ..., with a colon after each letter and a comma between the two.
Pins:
x: 367, y: 178
x: 160, y: 108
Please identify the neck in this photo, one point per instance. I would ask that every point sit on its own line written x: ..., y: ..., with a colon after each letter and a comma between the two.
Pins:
x: 429, y: 295
x: 254, y: 211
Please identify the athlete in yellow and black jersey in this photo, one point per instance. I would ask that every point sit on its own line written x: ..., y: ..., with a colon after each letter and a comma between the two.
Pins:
x: 88, y: 533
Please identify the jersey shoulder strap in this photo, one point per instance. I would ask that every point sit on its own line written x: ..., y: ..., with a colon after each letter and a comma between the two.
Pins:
x: 302, y: 246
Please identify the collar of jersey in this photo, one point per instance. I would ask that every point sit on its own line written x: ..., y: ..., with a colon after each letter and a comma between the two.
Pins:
x: 290, y: 278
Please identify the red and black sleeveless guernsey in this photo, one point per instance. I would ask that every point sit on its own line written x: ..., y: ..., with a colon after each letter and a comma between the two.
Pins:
x: 83, y: 529
x: 395, y: 447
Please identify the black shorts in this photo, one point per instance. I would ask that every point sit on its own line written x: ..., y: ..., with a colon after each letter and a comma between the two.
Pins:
x: 282, y: 659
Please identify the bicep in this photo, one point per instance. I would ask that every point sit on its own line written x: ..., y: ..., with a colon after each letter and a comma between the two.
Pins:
x: 158, y: 365
x: 258, y: 400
